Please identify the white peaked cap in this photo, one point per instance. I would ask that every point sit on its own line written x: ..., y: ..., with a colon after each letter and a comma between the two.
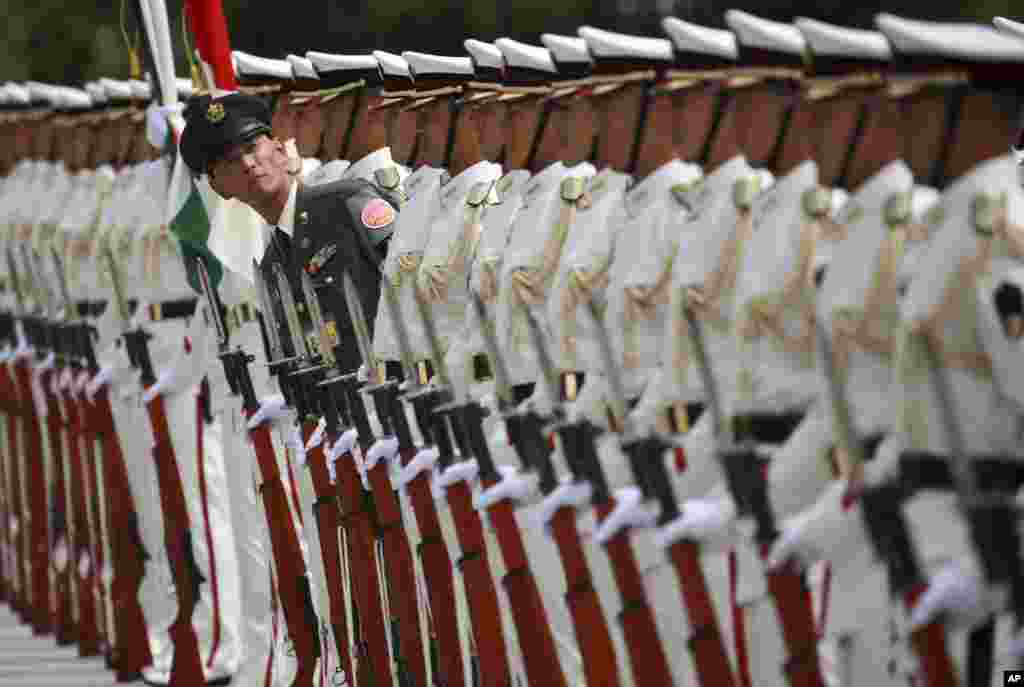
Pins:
x: 839, y: 41
x: 689, y: 37
x: 765, y: 34
x: 609, y: 44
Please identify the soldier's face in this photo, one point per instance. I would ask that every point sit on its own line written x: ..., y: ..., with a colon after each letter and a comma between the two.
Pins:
x: 252, y: 172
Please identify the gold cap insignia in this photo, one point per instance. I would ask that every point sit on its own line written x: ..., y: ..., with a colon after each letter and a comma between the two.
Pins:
x: 215, y: 113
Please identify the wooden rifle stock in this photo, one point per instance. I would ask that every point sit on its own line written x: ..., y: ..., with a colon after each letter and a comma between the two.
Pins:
x: 532, y: 627
x: 592, y: 634
x: 929, y: 644
x: 356, y: 511
x: 437, y: 566
x: 401, y: 574
x: 325, y: 513
x: 484, y: 612
x: 796, y: 620
x: 293, y: 585
x: 646, y: 653
x: 78, y: 458
x: 129, y: 555
x: 533, y: 630
x: 37, y: 540
x: 706, y: 642
x: 187, y: 667
x: 14, y: 446
x: 64, y: 617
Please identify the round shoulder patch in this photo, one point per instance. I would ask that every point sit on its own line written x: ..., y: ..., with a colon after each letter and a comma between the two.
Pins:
x: 377, y: 214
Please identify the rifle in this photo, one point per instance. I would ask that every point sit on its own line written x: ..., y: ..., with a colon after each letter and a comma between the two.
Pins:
x: 16, y: 383
x: 69, y: 339
x: 187, y: 667
x: 35, y: 486
x: 749, y: 489
x: 991, y: 515
x: 130, y: 647
x: 463, y: 419
x: 647, y: 656
x: 325, y: 508
x: 883, y: 518
x: 293, y: 585
x: 398, y: 560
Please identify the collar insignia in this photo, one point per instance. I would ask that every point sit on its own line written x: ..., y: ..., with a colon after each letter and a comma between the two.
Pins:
x: 215, y: 113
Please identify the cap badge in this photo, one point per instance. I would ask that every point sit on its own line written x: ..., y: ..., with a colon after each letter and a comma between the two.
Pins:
x: 215, y: 113
x: 377, y: 214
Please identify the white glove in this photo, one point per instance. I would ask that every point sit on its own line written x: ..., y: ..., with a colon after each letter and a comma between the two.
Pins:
x: 272, y: 409
x: 710, y: 522
x: 824, y: 531
x: 958, y: 594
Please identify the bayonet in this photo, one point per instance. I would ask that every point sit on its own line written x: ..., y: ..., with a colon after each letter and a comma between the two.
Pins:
x: 547, y: 365
x: 19, y: 298
x: 618, y: 399
x: 70, y: 310
x: 843, y: 418
x: 276, y: 351
x: 722, y: 427
x: 291, y: 313
x: 212, y: 303
x: 316, y: 315
x: 503, y: 386
x: 436, y: 352
x: 362, y: 330
x: 115, y: 282
x: 401, y: 334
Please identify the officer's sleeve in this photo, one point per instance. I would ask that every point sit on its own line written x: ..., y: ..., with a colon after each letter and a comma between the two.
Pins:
x: 373, y: 216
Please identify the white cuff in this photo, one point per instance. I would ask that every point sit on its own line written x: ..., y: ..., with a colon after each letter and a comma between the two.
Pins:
x: 317, y: 437
x: 423, y: 461
x: 80, y: 383
x: 343, y: 445
x: 514, y: 485
x: 102, y: 378
x: 294, y: 442
x: 163, y: 383
x: 463, y: 471
x: 385, y: 448
x: 60, y: 555
x: 84, y: 565
x: 630, y: 511
x: 575, y: 494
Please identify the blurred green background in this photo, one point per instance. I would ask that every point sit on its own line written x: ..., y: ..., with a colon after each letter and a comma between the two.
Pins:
x: 69, y: 42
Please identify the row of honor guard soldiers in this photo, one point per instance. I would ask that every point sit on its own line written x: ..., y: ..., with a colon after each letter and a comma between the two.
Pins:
x: 614, y: 360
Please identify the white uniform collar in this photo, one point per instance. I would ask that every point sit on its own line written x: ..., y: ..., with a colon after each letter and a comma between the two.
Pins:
x: 287, y: 219
x: 366, y: 166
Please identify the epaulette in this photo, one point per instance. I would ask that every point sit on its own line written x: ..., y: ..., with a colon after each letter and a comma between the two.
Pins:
x: 984, y: 210
x: 572, y: 188
x: 817, y: 201
x: 388, y: 177
x: 745, y: 190
x: 481, y: 193
x: 898, y: 209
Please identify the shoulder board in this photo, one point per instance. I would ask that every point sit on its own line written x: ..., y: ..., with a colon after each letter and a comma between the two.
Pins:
x: 503, y: 184
x: 935, y: 216
x: 817, y: 201
x: 388, y: 177
x: 745, y: 190
x: 898, y: 209
x: 479, y: 193
x: 683, y: 193
x: 984, y: 210
x: 572, y: 188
